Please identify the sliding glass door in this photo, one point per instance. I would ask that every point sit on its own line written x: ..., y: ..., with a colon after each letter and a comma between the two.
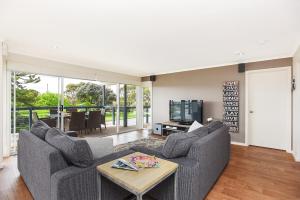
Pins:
x: 147, y: 108
x: 85, y: 96
x: 33, y: 97
x: 55, y: 99
x: 128, y: 120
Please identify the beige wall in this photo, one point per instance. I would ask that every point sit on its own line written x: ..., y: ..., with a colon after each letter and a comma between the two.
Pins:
x: 283, y: 62
x: 205, y: 84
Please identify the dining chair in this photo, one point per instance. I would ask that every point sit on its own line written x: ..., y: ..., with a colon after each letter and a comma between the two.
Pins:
x: 94, y: 120
x: 77, y: 122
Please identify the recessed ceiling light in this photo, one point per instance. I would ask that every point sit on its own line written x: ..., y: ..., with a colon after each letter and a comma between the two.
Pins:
x: 55, y: 47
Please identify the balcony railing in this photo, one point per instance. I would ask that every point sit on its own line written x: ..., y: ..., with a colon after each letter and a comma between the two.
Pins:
x: 24, y: 114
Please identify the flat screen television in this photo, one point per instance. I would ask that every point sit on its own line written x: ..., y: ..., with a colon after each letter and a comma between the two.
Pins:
x: 186, y: 111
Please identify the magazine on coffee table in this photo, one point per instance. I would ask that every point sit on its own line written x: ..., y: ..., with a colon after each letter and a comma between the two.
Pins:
x: 144, y: 161
x: 123, y: 164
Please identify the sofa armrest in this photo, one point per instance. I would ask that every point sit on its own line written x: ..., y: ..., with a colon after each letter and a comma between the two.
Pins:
x: 212, y: 147
x: 74, y: 183
x: 146, y: 150
x: 37, y: 161
x: 33, y: 152
x: 213, y: 154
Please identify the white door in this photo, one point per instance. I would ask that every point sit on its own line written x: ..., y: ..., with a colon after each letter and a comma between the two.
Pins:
x: 269, y: 108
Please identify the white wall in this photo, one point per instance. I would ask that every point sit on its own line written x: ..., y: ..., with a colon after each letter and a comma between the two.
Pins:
x: 1, y: 105
x: 48, y: 67
x: 296, y: 106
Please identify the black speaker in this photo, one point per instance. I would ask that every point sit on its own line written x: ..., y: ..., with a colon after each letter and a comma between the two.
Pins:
x: 152, y: 78
x: 242, y: 67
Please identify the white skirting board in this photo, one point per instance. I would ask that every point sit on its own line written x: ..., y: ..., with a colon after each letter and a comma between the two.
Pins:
x: 296, y: 158
x: 291, y: 152
x: 239, y: 143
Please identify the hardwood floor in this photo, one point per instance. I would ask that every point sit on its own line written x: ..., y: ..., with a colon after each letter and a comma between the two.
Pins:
x: 258, y: 174
x: 253, y: 174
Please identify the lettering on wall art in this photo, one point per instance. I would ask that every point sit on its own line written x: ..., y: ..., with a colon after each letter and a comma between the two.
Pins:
x: 231, y: 105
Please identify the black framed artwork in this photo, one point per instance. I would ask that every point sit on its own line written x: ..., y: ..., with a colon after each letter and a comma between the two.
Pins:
x: 231, y: 105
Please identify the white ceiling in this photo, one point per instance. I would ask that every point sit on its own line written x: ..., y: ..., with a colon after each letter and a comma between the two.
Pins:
x: 144, y: 37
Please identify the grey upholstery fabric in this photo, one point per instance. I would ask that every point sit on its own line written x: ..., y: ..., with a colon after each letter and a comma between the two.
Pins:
x: 200, y: 132
x: 75, y: 150
x: 199, y: 170
x: 37, y: 161
x: 188, y: 182
x: 214, y: 125
x: 48, y: 176
x: 152, y: 152
x: 74, y: 183
x: 112, y: 191
x: 39, y: 128
x: 213, y: 154
x: 100, y: 146
x: 178, y: 144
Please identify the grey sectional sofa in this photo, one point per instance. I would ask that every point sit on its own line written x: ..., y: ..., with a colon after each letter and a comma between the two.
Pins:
x: 49, y: 176
x: 199, y: 169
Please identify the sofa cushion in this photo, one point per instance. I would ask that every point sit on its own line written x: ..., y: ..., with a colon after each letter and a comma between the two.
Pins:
x: 200, y: 132
x: 214, y: 125
x: 195, y: 125
x: 178, y: 144
x: 100, y: 146
x: 39, y: 129
x: 75, y: 150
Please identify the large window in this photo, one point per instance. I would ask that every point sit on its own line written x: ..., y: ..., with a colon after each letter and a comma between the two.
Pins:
x: 147, y: 119
x: 33, y: 97
x: 128, y: 119
x: 54, y: 99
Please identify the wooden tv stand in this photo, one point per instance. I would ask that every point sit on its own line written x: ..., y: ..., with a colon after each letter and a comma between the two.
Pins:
x: 173, y: 127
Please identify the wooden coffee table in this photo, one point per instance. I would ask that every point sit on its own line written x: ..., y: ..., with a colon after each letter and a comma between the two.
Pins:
x: 138, y: 182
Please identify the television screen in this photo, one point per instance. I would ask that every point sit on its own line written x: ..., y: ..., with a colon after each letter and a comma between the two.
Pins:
x: 175, y: 111
x: 186, y: 111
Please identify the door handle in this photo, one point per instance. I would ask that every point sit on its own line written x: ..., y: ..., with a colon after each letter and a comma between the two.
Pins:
x: 251, y: 111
